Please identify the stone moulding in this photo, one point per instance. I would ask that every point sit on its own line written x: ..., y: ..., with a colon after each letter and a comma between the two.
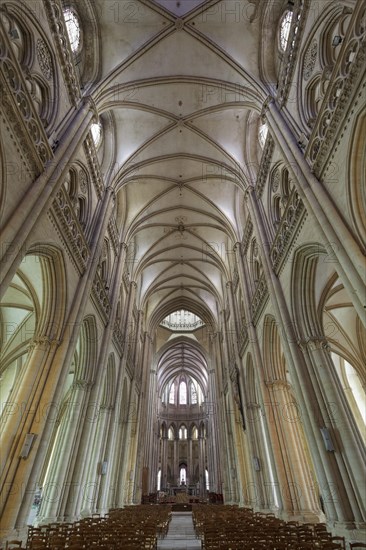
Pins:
x: 264, y: 166
x: 118, y: 339
x: 93, y: 163
x: 113, y: 234
x: 259, y: 299
x: 247, y: 236
x: 243, y: 340
x: 100, y: 298
x: 70, y: 230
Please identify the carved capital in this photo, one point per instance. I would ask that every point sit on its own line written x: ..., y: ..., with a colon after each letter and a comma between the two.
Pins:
x: 90, y: 103
x: 83, y: 385
x: 276, y: 384
x: 314, y: 343
x: 43, y: 343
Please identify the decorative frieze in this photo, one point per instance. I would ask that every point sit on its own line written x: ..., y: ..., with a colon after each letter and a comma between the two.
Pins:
x: 55, y: 17
x: 247, y: 236
x: 242, y: 340
x: 83, y: 181
x: 118, y: 339
x: 260, y: 298
x: 310, y: 59
x: 113, y: 234
x: 70, y: 229
x: 275, y: 179
x: 264, y: 166
x: 287, y: 230
x: 44, y: 59
x: 93, y: 164
x: 346, y: 72
x: 100, y: 298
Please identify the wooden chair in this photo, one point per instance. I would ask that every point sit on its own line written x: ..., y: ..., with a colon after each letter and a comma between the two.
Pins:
x: 13, y: 544
x: 357, y: 545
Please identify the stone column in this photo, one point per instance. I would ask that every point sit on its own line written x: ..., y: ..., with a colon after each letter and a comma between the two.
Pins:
x: 225, y: 459
x: 58, y: 480
x: 41, y: 193
x: 85, y: 473
x: 345, y: 466
x: 301, y: 378
x: 26, y: 413
x: 190, y: 461
x: 213, y: 412
x: 164, y: 462
x: 265, y: 477
x: 52, y: 389
x: 201, y: 465
x: 176, y: 461
x: 120, y: 425
x: 297, y: 484
x: 101, y: 485
x: 147, y: 413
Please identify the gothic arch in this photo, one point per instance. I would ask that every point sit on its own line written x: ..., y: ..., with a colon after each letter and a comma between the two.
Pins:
x: 36, y: 58
x: 32, y: 310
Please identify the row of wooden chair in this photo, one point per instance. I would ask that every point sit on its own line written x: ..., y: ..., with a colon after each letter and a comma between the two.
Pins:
x: 233, y: 528
x: 130, y: 528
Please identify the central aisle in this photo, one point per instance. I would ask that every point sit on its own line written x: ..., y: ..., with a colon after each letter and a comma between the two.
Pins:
x: 181, y: 535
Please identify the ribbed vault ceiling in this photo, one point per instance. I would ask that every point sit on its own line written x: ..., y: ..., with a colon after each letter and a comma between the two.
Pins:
x: 181, y: 81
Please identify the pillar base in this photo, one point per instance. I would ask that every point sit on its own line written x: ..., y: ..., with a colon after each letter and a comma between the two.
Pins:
x: 351, y: 531
x: 13, y: 534
x: 305, y: 516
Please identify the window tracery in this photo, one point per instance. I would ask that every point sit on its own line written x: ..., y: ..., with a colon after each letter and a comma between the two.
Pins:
x: 194, y: 397
x: 285, y: 27
x: 262, y: 134
x: 183, y: 432
x: 73, y: 29
x: 172, y: 394
x: 183, y: 393
x: 182, y: 320
x: 96, y: 132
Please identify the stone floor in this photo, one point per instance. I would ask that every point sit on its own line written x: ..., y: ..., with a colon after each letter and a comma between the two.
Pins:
x: 181, y: 535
